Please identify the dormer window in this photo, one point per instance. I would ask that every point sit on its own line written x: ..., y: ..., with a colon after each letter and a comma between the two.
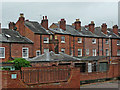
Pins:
x: 63, y: 39
x: 79, y: 40
x: 46, y: 40
x: 93, y: 41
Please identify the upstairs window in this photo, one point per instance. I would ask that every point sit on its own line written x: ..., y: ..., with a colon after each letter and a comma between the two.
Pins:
x: 93, y: 41
x: 118, y: 42
x: 25, y: 52
x: 38, y: 53
x: 79, y: 40
x: 106, y: 41
x: 2, y: 52
x: 87, y: 51
x: 94, y: 52
x: 118, y: 52
x: 62, y: 50
x: 79, y: 52
x: 63, y: 39
x: 107, y: 52
x: 46, y: 40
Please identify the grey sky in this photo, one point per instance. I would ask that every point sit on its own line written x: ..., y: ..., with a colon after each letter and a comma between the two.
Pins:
x: 100, y: 12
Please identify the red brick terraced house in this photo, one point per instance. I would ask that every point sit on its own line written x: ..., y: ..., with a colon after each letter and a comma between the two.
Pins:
x: 28, y: 39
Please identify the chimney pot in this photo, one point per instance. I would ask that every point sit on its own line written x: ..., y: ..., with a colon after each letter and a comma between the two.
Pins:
x: 45, y: 17
x: 21, y: 15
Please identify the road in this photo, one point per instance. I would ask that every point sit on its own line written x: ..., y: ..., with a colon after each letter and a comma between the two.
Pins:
x: 108, y: 84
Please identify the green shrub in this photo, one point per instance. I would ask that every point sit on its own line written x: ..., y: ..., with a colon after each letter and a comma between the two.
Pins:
x: 20, y: 62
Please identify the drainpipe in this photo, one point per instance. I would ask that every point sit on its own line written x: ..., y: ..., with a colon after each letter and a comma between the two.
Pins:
x: 73, y: 46
x: 41, y: 43
x: 98, y: 46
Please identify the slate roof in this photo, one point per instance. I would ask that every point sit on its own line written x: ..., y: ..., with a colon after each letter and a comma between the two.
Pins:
x: 12, y: 36
x: 36, y: 27
x: 92, y: 58
x: 70, y: 29
x: 113, y: 35
x: 51, y: 56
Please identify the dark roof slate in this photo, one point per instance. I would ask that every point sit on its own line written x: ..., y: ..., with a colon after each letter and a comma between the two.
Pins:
x: 12, y: 36
x: 36, y: 27
x: 51, y: 56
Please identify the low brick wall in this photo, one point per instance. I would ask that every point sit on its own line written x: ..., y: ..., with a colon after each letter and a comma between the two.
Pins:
x: 113, y: 71
x: 7, y: 81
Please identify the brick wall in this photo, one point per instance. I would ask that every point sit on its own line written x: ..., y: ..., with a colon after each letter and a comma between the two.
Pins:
x: 73, y: 81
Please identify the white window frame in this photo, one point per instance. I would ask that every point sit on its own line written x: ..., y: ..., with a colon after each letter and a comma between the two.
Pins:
x: 94, y: 41
x: 81, y: 52
x: 47, y: 40
x: 63, y: 49
x: 13, y: 76
x: 61, y: 39
x: 4, y: 52
x: 27, y: 52
x: 80, y: 40
x: 118, y: 54
x: 106, y: 41
x: 94, y: 52
x: 37, y: 52
x: 118, y: 41
x: 87, y: 52
x: 107, y: 54
x: 89, y: 67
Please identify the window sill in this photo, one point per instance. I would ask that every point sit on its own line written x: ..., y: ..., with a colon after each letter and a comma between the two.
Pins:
x: 46, y: 42
x: 62, y: 42
x: 2, y: 57
x: 79, y: 42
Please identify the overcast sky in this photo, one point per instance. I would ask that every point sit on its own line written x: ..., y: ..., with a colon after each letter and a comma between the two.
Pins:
x: 100, y: 12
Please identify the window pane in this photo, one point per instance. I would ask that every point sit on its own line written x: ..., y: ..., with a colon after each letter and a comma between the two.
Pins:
x: 2, y: 52
x: 25, y: 53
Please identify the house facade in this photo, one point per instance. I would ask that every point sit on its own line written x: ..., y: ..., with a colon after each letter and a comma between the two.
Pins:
x: 28, y: 39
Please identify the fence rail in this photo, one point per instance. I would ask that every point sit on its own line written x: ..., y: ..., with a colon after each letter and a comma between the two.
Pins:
x: 45, y: 75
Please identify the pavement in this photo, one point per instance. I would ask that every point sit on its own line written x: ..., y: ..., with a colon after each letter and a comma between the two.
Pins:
x: 108, y: 84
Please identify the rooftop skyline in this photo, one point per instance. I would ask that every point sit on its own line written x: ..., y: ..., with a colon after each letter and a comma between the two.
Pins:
x: 99, y: 12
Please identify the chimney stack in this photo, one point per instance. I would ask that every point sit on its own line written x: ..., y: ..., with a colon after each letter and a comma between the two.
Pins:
x: 115, y: 29
x: 91, y: 26
x: 104, y: 28
x: 21, y: 18
x: 11, y: 25
x: 63, y: 24
x: 44, y: 22
x: 78, y: 25
x: 21, y: 27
